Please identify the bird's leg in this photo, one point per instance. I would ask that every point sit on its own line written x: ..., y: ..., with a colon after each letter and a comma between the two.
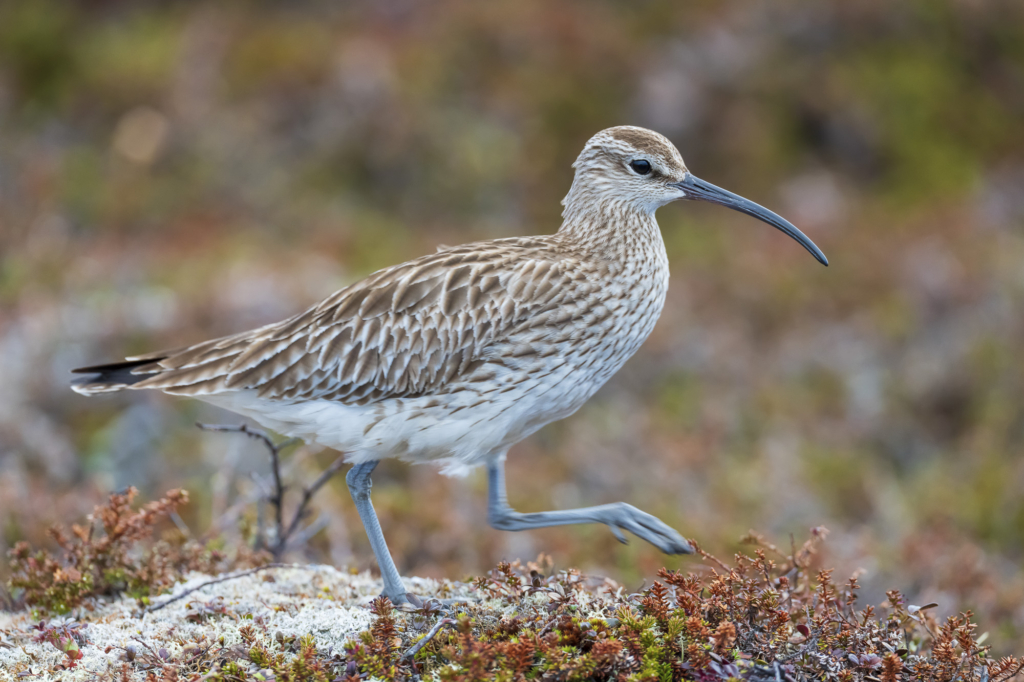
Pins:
x: 618, y: 517
x: 359, y: 483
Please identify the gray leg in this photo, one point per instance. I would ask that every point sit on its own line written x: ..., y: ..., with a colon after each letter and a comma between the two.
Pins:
x: 358, y: 480
x: 618, y: 517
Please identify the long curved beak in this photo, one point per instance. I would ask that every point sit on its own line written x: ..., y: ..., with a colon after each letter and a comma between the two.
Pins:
x: 698, y: 190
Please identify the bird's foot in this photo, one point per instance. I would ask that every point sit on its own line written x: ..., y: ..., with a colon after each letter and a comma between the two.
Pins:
x: 407, y: 601
x: 647, y: 527
x: 403, y: 599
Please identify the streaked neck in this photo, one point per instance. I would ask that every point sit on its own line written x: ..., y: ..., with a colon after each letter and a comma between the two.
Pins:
x: 610, y: 229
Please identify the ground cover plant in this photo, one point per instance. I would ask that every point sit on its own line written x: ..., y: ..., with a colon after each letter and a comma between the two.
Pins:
x: 765, y: 614
x: 108, y: 556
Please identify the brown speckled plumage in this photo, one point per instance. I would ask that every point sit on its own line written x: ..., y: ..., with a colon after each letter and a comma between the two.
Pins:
x: 475, y: 327
x: 408, y: 330
x: 455, y: 356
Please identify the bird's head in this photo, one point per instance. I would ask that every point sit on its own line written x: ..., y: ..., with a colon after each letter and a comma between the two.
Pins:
x: 630, y: 168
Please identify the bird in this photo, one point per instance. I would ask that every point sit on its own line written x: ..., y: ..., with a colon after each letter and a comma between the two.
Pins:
x: 455, y: 356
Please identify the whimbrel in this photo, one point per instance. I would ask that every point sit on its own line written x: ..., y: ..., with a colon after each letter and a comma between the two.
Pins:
x: 456, y: 356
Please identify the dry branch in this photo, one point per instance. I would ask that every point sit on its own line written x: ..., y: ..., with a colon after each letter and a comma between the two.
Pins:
x: 283, y: 532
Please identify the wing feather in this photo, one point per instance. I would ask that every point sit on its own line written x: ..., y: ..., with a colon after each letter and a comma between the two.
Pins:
x: 403, y: 331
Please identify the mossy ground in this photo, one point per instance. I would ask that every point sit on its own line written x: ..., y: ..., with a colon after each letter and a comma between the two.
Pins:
x: 755, y: 618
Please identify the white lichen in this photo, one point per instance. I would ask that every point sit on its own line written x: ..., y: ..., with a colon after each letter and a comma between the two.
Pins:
x: 321, y: 601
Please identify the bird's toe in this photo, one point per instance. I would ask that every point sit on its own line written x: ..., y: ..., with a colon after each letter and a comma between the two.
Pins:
x: 681, y: 546
x: 404, y: 601
x: 619, y: 535
x: 659, y: 534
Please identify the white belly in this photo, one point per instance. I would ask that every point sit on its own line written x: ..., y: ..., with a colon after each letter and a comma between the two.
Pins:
x: 458, y: 431
x: 472, y: 421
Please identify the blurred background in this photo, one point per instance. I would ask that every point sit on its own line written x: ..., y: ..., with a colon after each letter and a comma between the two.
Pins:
x: 172, y: 171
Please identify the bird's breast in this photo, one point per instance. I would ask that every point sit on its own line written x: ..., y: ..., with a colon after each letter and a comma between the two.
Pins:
x: 556, y: 367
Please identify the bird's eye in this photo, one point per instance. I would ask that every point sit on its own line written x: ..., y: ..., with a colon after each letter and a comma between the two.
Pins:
x: 641, y: 166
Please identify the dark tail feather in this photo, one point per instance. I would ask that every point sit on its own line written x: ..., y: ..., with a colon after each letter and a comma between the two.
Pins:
x: 112, y: 377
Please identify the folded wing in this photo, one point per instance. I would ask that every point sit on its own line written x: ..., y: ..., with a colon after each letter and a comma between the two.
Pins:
x: 404, y: 331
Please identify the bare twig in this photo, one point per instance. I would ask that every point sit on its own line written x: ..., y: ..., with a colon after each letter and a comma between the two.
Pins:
x: 307, y: 495
x: 214, y: 581
x: 755, y: 538
x: 148, y: 648
x: 242, y: 428
x: 710, y: 557
x: 415, y: 648
x: 275, y: 496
